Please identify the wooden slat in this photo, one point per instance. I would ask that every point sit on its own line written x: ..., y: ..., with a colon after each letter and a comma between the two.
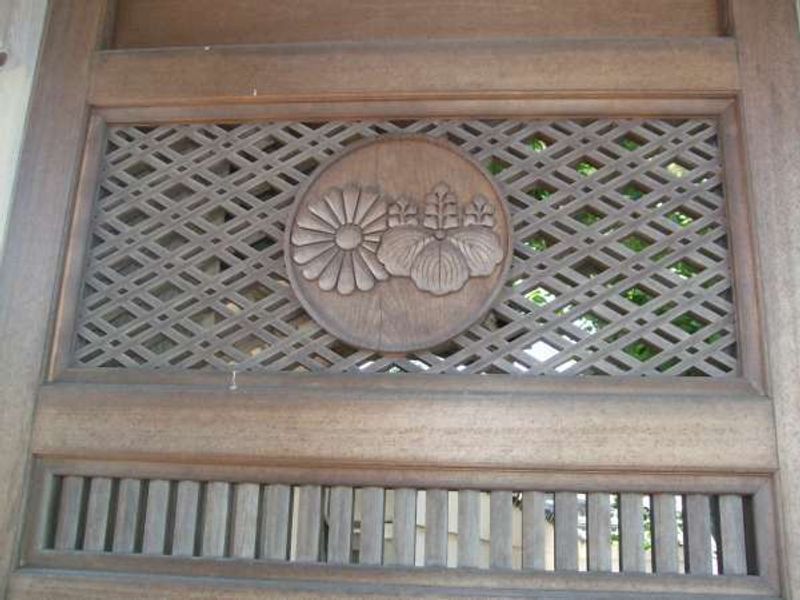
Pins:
x: 276, y: 522
x: 69, y: 512
x: 631, y: 533
x: 245, y: 520
x: 513, y: 429
x: 371, y: 551
x: 309, y: 515
x: 97, y: 514
x: 469, y: 528
x: 153, y: 23
x: 187, y: 499
x: 698, y: 534
x: 566, y: 525
x: 534, y: 531
x: 460, y: 68
x: 599, y: 531
x: 215, y: 519
x: 731, y: 522
x: 665, y: 534
x: 126, y: 522
x: 501, y: 534
x: 436, y: 518
x: 155, y: 519
x: 340, y: 525
x: 405, y: 519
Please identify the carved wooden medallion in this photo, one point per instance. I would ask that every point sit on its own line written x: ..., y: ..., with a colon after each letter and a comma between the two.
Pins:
x: 398, y: 244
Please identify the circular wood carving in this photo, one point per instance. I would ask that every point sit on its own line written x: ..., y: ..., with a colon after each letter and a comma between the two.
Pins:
x: 398, y: 244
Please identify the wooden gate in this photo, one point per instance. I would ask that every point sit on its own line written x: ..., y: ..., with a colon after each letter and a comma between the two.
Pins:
x: 197, y: 403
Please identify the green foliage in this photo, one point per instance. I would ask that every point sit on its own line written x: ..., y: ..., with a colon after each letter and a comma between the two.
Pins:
x: 586, y: 168
x: 637, y: 295
x: 587, y: 216
x: 680, y: 218
x: 540, y: 193
x: 684, y: 269
x: 641, y: 350
x: 689, y: 323
x: 537, y: 144
x: 632, y: 192
x: 635, y: 243
x: 496, y: 166
x: 540, y: 296
x: 537, y: 244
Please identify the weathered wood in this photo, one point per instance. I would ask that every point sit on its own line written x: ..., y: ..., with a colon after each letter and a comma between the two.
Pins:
x: 371, y: 550
x: 153, y: 23
x: 534, y: 531
x: 187, y: 499
x: 698, y: 534
x: 598, y: 515
x: 309, y: 515
x: 216, y: 510
x: 340, y: 525
x: 126, y: 524
x: 457, y: 68
x: 566, y: 526
x: 631, y: 533
x: 245, y: 520
x: 405, y: 519
x: 469, y: 528
x: 49, y: 159
x: 276, y: 519
x: 155, y: 519
x: 501, y: 556
x: 69, y: 512
x: 665, y: 534
x: 731, y: 524
x: 706, y: 433
x: 436, y: 520
x: 97, y: 514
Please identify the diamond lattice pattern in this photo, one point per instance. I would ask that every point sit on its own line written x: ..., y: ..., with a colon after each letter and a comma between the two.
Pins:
x: 620, y: 266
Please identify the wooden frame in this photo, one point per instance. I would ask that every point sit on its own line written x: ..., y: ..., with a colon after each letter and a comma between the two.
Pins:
x: 735, y: 428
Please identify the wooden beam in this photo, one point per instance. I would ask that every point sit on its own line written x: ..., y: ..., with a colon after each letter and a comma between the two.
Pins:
x: 345, y: 423
x: 432, y: 69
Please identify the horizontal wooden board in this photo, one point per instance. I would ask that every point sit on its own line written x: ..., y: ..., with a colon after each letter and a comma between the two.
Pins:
x: 159, y: 23
x: 430, y: 69
x: 340, y: 423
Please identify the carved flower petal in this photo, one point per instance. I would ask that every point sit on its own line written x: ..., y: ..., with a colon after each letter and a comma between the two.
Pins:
x: 330, y: 275
x: 351, y: 195
x: 440, y: 268
x: 346, y: 284
x: 372, y: 263
x: 315, y: 266
x: 400, y: 246
x: 364, y: 278
x: 335, y: 202
x: 368, y: 197
x: 303, y: 237
x: 480, y: 247
x: 374, y: 219
x: 304, y: 254
x: 309, y: 220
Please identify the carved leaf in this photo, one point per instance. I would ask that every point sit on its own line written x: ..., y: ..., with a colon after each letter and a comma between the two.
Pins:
x: 400, y: 246
x: 480, y: 247
x: 440, y: 268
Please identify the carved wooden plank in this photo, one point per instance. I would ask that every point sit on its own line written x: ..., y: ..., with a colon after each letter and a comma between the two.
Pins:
x: 371, y: 551
x: 665, y: 534
x: 340, y: 531
x: 599, y: 531
x: 436, y: 519
x: 187, y: 499
x: 155, y: 520
x: 731, y: 520
x: 698, y: 534
x: 69, y: 511
x: 631, y: 533
x: 276, y: 520
x: 502, y: 540
x: 126, y: 523
x: 469, y: 528
x: 245, y: 520
x: 534, y: 530
x: 215, y: 519
x: 97, y: 514
x: 566, y: 525
x: 309, y: 515
x: 405, y: 520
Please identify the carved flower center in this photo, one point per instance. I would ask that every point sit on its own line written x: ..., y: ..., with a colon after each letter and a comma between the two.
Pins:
x: 439, y: 234
x: 348, y: 237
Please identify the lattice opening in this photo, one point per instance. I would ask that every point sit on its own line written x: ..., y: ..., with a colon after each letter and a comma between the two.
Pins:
x: 620, y: 263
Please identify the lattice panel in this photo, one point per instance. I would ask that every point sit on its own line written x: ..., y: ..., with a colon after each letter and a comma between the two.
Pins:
x: 620, y: 267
